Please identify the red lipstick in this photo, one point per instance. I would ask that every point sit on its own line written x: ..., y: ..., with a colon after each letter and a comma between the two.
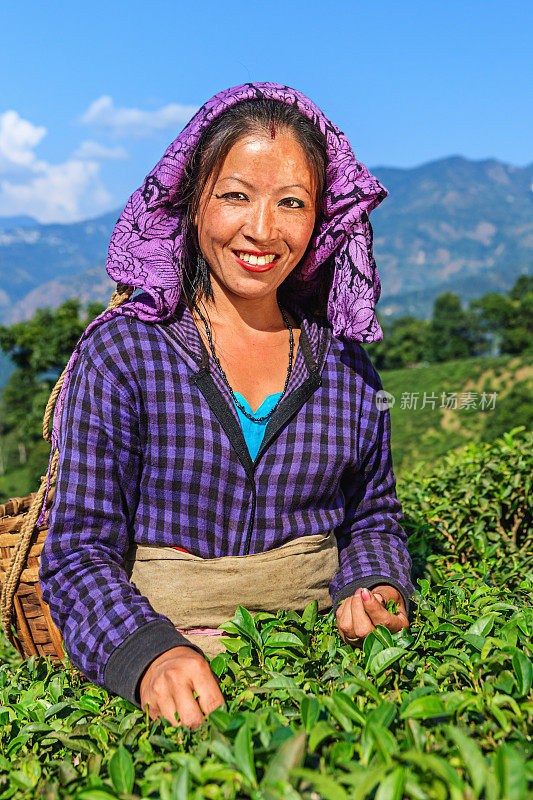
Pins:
x: 256, y: 268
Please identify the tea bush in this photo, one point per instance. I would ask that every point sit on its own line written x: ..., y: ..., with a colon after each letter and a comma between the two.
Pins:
x: 442, y: 709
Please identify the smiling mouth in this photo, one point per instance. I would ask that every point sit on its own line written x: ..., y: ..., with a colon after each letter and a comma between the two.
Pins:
x: 256, y: 259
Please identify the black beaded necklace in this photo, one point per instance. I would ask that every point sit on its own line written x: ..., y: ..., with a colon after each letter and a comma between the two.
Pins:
x: 244, y: 411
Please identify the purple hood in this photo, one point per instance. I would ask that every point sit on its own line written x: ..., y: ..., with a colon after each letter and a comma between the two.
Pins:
x: 146, y: 245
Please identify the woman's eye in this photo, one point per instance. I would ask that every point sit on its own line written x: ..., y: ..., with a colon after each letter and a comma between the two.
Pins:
x: 299, y: 203
x: 232, y: 195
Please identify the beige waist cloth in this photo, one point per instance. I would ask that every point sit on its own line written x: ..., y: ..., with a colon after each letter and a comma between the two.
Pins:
x: 196, y: 592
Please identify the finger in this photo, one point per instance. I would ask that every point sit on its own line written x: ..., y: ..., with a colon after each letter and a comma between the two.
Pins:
x: 361, y: 624
x: 202, y: 681
x: 344, y: 621
x: 379, y: 614
x: 353, y: 623
x: 208, y: 691
x: 189, y: 712
x: 344, y: 614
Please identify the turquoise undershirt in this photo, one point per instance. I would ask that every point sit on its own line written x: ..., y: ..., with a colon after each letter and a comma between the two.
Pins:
x: 254, y: 431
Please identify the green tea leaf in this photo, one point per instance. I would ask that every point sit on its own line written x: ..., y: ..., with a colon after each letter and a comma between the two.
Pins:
x: 233, y: 645
x: 121, y: 770
x: 437, y: 766
x: 310, y: 615
x: 382, y: 715
x: 510, y: 771
x: 364, y: 783
x: 220, y: 718
x: 523, y: 669
x: 425, y: 708
x: 280, y: 681
x: 67, y: 772
x: 244, y: 758
x: 181, y: 784
x: 283, y: 639
x: 383, y: 660
x: 346, y: 706
x: 483, y: 625
x: 391, y: 787
x: 88, y: 704
x: 245, y: 622
x: 85, y: 746
x: 476, y: 641
x: 383, y: 741
x: 383, y: 635
x: 471, y: 756
x: 321, y: 731
x: 309, y: 710
x: 327, y: 787
x: 289, y: 754
x: 362, y: 682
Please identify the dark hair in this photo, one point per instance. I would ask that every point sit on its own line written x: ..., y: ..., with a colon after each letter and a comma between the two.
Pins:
x: 242, y: 119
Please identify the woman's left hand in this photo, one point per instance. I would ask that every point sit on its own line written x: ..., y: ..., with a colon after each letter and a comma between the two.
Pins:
x: 359, y: 614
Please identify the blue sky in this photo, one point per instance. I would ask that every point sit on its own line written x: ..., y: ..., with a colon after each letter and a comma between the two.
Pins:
x: 93, y: 93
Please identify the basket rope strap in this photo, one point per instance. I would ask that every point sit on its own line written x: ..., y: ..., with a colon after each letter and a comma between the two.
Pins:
x: 19, y: 553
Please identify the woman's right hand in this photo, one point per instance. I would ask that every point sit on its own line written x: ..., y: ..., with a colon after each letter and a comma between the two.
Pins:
x: 168, y: 685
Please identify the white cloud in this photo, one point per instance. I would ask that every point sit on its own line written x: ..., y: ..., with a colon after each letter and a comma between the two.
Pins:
x: 58, y: 193
x: 18, y: 137
x: 133, y: 121
x: 91, y: 150
x: 64, y: 192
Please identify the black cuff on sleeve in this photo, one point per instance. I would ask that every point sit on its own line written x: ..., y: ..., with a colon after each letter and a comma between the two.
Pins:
x: 369, y: 582
x: 130, y: 660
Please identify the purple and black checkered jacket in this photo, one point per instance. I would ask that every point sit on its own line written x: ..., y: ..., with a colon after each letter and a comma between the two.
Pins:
x: 151, y: 449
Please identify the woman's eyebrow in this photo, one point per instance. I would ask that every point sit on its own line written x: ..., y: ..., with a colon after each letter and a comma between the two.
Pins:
x: 250, y: 186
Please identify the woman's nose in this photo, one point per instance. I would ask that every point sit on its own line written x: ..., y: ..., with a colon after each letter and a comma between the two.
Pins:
x: 260, y: 222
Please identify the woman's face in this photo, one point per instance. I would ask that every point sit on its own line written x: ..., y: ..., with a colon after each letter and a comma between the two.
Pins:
x: 261, y: 207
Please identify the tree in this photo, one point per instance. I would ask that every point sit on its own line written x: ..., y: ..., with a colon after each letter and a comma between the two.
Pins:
x: 404, y: 343
x: 523, y: 285
x: 494, y: 314
x: 41, y: 348
x: 452, y: 332
x: 506, y: 321
x: 46, y: 341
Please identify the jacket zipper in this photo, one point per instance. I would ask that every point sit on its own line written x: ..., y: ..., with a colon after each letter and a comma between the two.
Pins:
x: 252, y: 518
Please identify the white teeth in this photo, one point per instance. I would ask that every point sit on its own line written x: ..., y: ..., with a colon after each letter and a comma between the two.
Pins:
x: 259, y: 261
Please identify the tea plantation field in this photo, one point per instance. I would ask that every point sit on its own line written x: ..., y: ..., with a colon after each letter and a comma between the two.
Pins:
x: 440, y: 407
x: 442, y: 709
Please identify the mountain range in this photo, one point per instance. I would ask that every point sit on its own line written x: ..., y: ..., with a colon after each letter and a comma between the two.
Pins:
x: 451, y: 224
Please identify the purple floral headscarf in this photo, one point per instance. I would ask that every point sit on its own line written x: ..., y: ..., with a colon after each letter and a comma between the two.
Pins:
x: 147, y: 243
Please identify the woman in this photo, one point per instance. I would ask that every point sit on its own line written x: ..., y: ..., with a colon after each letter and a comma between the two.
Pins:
x: 222, y: 440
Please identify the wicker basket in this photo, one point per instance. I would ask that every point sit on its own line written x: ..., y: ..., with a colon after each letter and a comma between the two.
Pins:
x: 26, y: 618
x: 36, y: 632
